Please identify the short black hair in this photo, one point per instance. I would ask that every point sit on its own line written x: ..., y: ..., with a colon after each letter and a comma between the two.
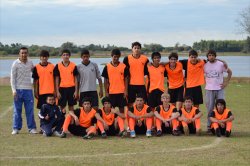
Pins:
x: 211, y: 52
x: 115, y: 51
x: 84, y: 52
x: 106, y: 99
x: 192, y: 52
x: 173, y: 55
x: 136, y: 44
x: 66, y: 51
x: 154, y: 54
x: 50, y: 95
x: 86, y: 99
x: 23, y: 48
x: 44, y: 53
x: 140, y: 95
x: 188, y: 98
x: 221, y: 101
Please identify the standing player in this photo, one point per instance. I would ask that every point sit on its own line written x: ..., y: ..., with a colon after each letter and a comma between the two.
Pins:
x: 88, y: 73
x: 175, y: 80
x: 136, y: 63
x: 65, y: 74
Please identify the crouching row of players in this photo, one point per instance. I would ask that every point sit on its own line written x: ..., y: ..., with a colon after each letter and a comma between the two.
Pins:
x: 87, y: 122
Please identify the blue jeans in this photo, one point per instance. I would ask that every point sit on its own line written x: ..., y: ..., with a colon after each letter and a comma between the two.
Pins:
x: 24, y: 96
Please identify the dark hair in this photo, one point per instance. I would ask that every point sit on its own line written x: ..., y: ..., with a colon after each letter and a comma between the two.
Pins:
x: 66, y: 51
x: 154, y: 54
x: 115, y: 51
x: 23, y: 48
x: 50, y: 95
x: 188, y: 98
x: 192, y: 52
x: 44, y: 53
x: 86, y: 99
x: 221, y: 101
x: 84, y: 52
x: 211, y: 52
x: 106, y: 99
x: 173, y: 55
x: 140, y: 95
x: 136, y: 44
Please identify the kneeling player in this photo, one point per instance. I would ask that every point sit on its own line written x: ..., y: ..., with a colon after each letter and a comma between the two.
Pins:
x: 140, y: 118
x: 166, y: 117
x: 190, y: 117
x: 81, y: 121
x: 113, y: 120
x: 221, y: 119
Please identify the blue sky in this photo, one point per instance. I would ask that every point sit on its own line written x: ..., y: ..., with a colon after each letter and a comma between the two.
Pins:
x: 119, y: 22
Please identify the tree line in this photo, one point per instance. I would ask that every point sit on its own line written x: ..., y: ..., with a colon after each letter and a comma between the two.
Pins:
x: 203, y: 45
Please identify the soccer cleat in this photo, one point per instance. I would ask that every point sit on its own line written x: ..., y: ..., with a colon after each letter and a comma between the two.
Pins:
x: 132, y: 134
x: 186, y: 130
x: 122, y: 133
x: 175, y: 133
x: 104, y: 135
x: 218, y: 133
x: 148, y: 133
x: 63, y: 135
x: 158, y: 133
x: 209, y: 131
x: 33, y: 131
x: 15, y: 131
x: 57, y: 133
x: 198, y: 132
x: 228, y: 133
x: 89, y: 136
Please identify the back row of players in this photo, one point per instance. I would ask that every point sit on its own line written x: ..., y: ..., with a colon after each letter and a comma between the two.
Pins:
x: 150, y: 105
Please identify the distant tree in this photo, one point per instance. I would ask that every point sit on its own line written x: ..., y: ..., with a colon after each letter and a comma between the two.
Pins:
x: 244, y: 20
x: 71, y: 46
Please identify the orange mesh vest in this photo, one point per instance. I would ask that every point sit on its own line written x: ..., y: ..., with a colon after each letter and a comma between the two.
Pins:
x: 166, y: 114
x: 195, y: 74
x: 142, y: 112
x: 86, y: 118
x: 137, y: 69
x: 156, y: 78
x: 116, y: 78
x: 109, y: 119
x: 46, y: 79
x: 190, y: 114
x: 66, y: 75
x: 175, y: 76
x: 221, y: 116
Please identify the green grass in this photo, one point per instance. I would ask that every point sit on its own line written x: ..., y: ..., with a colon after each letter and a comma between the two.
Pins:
x: 166, y: 150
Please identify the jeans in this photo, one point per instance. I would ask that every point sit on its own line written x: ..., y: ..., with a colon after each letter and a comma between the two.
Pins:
x: 24, y: 96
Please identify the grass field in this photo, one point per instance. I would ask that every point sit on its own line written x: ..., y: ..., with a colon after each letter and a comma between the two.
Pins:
x: 26, y: 149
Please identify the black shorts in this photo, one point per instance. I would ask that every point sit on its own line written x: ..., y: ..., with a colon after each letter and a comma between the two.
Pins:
x: 133, y: 90
x: 154, y: 98
x: 67, y: 96
x: 77, y: 130
x: 196, y: 94
x: 176, y: 95
x: 118, y: 100
x: 91, y: 94
x: 42, y: 100
x: 112, y: 131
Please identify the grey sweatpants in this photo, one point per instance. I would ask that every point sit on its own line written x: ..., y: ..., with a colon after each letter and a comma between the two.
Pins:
x: 211, y: 97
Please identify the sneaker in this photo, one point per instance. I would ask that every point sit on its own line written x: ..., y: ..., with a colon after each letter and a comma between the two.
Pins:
x: 63, y: 135
x: 148, y: 133
x: 132, y: 134
x: 41, y: 131
x: 57, y: 133
x: 198, y: 132
x: 175, y: 133
x: 158, y: 133
x: 209, y: 131
x: 122, y: 133
x: 218, y: 133
x: 33, y: 131
x: 15, y: 131
x: 186, y: 130
x: 91, y: 135
x: 228, y: 133
x: 104, y: 135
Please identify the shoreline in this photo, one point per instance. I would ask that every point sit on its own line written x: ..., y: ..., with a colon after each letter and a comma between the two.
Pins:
x: 5, y: 81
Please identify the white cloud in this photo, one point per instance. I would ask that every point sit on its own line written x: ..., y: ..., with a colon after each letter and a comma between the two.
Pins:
x: 125, y: 39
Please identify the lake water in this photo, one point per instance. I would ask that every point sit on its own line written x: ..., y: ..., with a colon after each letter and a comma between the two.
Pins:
x: 240, y: 65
